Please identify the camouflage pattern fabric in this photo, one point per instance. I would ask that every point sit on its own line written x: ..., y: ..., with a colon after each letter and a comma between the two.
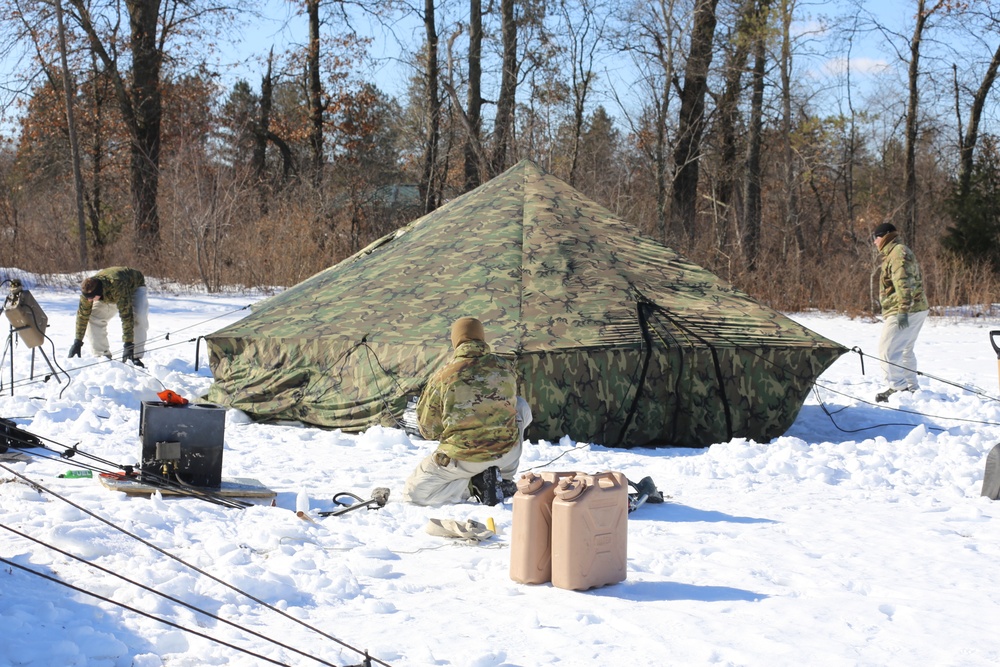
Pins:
x: 617, y: 339
x: 469, y: 405
x: 119, y: 284
x: 902, y: 285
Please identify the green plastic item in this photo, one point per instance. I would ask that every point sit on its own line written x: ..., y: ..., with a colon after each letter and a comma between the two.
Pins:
x: 77, y: 474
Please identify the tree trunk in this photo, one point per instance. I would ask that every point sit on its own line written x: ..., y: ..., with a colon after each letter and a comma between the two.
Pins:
x: 94, y: 198
x: 147, y: 105
x: 503, y: 130
x: 74, y: 143
x: 752, y: 200
x: 261, y: 130
x: 971, y: 137
x: 580, y: 26
x: 315, y: 94
x: 262, y: 124
x: 473, y: 169
x: 791, y: 203
x: 660, y: 165
x: 432, y: 118
x: 691, y: 123
x: 728, y: 113
x: 912, y: 109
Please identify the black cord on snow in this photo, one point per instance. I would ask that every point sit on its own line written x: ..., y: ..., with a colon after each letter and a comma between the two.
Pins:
x: 188, y: 565
x: 152, y: 590
x: 140, y: 612
x: 909, y: 412
x: 153, y: 479
x: 974, y: 391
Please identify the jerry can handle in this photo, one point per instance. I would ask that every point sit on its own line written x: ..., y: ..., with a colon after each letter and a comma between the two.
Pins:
x: 993, y: 341
x: 610, y: 480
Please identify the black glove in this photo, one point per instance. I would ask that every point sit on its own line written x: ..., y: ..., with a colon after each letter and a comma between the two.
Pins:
x: 129, y: 353
x: 74, y: 351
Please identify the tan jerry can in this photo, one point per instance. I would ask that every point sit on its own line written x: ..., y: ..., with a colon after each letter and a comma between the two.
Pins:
x: 531, y: 527
x: 590, y: 531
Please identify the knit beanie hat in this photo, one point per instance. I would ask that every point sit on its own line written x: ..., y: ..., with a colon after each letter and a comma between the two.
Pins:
x: 465, y: 329
x: 91, y: 287
x: 883, y: 229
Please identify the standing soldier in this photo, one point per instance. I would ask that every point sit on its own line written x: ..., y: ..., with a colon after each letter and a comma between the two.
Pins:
x: 471, y: 407
x: 120, y: 291
x: 904, y: 310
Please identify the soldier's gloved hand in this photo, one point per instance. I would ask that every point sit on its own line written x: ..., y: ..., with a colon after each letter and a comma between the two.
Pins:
x: 129, y: 353
x: 902, y: 320
x: 74, y: 351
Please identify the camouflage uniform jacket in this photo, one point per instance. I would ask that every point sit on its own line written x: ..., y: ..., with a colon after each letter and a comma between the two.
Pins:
x: 119, y: 283
x: 469, y: 405
x: 902, y: 288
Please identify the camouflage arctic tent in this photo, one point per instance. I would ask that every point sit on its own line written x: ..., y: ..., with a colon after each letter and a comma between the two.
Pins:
x: 618, y: 339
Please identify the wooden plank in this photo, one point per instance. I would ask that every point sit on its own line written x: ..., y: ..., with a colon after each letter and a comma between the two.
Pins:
x: 232, y: 487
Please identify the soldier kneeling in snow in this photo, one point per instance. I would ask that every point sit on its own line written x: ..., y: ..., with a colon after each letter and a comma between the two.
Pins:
x: 471, y: 407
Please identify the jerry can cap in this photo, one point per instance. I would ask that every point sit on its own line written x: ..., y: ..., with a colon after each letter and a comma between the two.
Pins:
x: 529, y: 483
x: 570, y: 488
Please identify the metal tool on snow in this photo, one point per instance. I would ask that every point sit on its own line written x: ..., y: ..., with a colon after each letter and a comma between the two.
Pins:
x: 380, y: 497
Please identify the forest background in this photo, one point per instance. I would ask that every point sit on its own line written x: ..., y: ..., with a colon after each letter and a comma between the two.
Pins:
x: 763, y: 139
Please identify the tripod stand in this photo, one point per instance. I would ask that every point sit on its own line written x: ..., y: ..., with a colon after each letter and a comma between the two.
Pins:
x: 28, y: 320
x: 10, y: 346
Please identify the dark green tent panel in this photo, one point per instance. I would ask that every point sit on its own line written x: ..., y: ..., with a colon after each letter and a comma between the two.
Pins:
x: 618, y: 339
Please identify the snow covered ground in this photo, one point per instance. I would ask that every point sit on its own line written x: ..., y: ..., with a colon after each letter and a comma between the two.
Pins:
x: 855, y: 539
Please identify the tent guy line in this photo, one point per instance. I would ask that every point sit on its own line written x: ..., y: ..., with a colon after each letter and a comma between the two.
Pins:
x: 140, y: 612
x: 975, y: 391
x: 149, y: 476
x: 152, y: 590
x: 181, y: 561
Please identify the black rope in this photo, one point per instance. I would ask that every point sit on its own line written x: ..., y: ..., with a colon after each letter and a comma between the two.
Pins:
x: 186, y: 564
x: 160, y: 594
x: 399, y: 388
x: 640, y: 308
x: 147, y: 348
x: 829, y: 414
x: 167, y: 335
x: 139, y: 611
x: 688, y: 330
x: 815, y: 381
x: 975, y: 392
x: 909, y: 412
x: 152, y: 478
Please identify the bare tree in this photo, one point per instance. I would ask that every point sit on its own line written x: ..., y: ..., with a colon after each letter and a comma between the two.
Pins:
x: 473, y: 143
x: 968, y: 139
x: 691, y: 121
x: 432, y: 110
x: 727, y: 197
x: 503, y: 125
x: 791, y: 201
x: 583, y: 22
x: 752, y: 188
x: 68, y: 90
x: 315, y: 92
x: 924, y: 12
x: 151, y: 25
x: 650, y: 34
